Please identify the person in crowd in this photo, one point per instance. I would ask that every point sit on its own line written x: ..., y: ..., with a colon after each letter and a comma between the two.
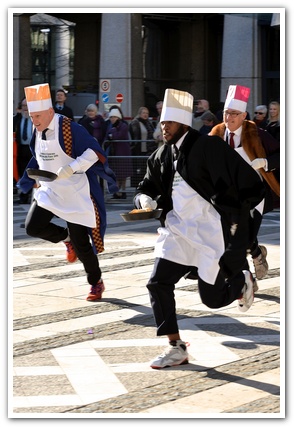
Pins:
x: 273, y: 127
x: 202, y: 105
x: 141, y: 128
x: 118, y: 136
x: 15, y: 168
x: 141, y: 131
x: 260, y: 150
x: 61, y: 146
x: 157, y: 134
x: 60, y: 107
x: 273, y: 122
x: 22, y: 128
x: 208, y: 194
x: 94, y: 123
x: 158, y: 106
x: 260, y: 118
x: 209, y: 120
x: 108, y: 122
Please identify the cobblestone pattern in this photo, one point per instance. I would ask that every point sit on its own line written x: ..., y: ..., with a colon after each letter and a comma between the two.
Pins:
x: 190, y: 384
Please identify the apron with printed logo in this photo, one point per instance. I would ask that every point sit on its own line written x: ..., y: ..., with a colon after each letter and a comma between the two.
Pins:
x: 68, y: 198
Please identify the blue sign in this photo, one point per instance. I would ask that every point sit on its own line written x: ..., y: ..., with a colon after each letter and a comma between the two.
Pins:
x: 105, y: 97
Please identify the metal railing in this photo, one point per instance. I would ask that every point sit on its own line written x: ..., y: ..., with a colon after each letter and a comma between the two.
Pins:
x: 133, y: 167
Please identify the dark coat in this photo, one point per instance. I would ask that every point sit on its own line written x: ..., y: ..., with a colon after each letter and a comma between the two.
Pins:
x: 96, y: 127
x: 257, y: 143
x: 23, y: 151
x: 65, y: 111
x: 222, y: 177
x: 135, y: 132
x: 274, y: 129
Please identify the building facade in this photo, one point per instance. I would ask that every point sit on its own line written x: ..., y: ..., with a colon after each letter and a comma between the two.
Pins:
x: 131, y: 58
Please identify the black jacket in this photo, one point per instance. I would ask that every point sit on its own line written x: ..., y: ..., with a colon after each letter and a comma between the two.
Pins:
x: 65, y: 111
x: 221, y: 176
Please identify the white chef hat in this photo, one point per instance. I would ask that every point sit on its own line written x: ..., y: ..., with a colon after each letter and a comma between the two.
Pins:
x: 237, y: 98
x: 38, y: 97
x: 177, y: 107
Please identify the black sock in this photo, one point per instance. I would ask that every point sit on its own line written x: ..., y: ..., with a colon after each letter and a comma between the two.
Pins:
x: 256, y: 252
x: 174, y: 344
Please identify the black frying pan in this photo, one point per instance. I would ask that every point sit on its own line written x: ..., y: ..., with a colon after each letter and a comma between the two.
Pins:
x: 127, y: 216
x: 41, y: 174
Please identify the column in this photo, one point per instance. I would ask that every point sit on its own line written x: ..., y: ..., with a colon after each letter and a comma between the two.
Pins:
x: 121, y: 67
x: 62, y: 48
x: 240, y: 64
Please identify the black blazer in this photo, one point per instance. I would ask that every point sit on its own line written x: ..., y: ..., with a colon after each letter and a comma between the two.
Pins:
x: 222, y: 177
x: 66, y: 111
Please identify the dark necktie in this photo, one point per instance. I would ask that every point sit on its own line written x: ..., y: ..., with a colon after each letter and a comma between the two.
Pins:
x: 25, y: 130
x: 232, y: 144
x: 44, y: 134
x: 176, y: 152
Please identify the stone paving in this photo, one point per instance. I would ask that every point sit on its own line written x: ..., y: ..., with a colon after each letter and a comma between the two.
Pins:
x: 70, y: 356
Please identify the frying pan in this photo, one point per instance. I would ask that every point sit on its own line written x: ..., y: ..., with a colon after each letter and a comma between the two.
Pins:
x: 137, y: 216
x: 41, y: 174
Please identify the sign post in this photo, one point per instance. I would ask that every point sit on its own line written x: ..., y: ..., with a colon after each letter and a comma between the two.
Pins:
x: 105, y: 97
x: 119, y: 97
x: 105, y: 85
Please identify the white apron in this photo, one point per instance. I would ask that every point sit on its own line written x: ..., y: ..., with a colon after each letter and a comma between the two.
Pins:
x: 68, y: 199
x: 193, y: 233
x: 242, y: 153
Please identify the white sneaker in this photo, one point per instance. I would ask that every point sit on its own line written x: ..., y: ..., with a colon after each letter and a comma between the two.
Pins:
x: 245, y: 302
x: 172, y: 356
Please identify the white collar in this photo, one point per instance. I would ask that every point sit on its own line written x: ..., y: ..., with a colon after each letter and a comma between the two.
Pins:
x: 179, y: 142
x: 237, y: 132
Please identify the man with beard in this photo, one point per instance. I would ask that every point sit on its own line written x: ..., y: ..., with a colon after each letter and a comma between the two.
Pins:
x: 208, y: 194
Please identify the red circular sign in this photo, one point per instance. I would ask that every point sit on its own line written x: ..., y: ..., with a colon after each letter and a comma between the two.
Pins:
x: 119, y: 97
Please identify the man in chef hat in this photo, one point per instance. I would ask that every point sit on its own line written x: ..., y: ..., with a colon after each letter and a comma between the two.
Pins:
x: 198, y: 182
x: 61, y: 146
x: 38, y: 97
x: 260, y: 150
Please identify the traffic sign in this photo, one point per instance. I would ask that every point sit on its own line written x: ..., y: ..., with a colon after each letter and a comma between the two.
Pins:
x: 119, y: 97
x: 105, y: 85
x: 105, y: 97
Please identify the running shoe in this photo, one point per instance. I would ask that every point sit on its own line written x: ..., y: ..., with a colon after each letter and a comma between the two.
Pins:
x: 71, y: 255
x: 96, y: 291
x: 260, y: 263
x: 173, y: 355
x: 246, y: 300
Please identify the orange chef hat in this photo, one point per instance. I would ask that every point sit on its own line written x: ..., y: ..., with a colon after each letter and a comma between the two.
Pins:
x: 38, y: 97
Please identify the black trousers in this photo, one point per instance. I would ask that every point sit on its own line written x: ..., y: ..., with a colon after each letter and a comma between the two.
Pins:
x: 161, y: 286
x: 254, y: 250
x: 38, y: 224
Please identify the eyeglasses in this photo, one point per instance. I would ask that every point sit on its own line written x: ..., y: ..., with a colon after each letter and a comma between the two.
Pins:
x: 258, y: 112
x: 233, y: 114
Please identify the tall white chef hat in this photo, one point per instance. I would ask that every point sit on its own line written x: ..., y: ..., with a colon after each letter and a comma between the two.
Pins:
x: 38, y: 97
x: 177, y: 107
x: 237, y: 98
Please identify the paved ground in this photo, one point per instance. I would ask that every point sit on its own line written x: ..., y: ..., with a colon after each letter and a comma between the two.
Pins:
x: 73, y: 358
